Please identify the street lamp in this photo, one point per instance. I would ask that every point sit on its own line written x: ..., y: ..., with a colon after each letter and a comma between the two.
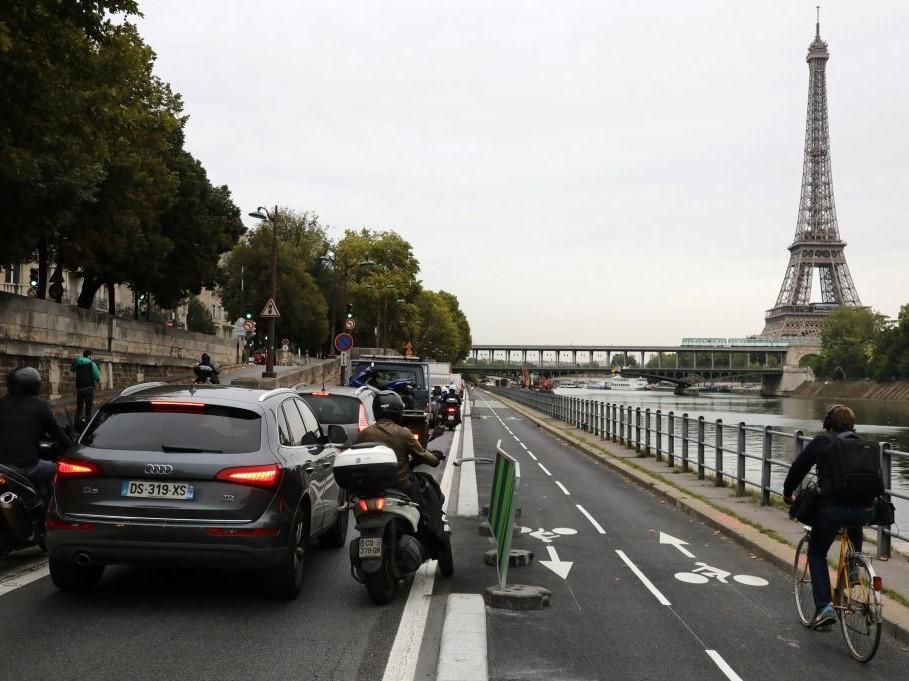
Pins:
x: 261, y: 213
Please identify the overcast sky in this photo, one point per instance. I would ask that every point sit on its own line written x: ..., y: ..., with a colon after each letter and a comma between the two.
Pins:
x: 586, y: 172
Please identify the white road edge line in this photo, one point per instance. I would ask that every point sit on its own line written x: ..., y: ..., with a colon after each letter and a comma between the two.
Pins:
x: 599, y: 528
x: 563, y: 488
x: 646, y: 582
x: 544, y: 469
x: 405, y: 651
x: 26, y: 575
x: 723, y: 665
x: 462, y: 652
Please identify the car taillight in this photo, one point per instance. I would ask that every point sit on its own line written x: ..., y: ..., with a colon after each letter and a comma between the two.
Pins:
x: 362, y: 421
x: 255, y: 476
x: 55, y: 524
x: 320, y: 393
x: 72, y: 468
x: 178, y: 406
x: 376, y: 504
x: 451, y: 410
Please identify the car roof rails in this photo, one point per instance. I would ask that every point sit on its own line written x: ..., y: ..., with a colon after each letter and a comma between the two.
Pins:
x: 133, y: 389
x: 277, y: 391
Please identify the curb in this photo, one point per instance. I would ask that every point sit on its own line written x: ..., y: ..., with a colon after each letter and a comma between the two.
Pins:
x: 896, y: 615
x: 462, y: 652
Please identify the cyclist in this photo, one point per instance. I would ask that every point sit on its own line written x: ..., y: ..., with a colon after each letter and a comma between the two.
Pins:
x: 839, y: 422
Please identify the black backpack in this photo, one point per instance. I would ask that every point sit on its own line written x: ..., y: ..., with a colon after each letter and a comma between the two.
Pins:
x: 853, y: 470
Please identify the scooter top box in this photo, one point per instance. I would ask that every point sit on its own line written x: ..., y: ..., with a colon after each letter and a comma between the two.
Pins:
x: 366, y: 468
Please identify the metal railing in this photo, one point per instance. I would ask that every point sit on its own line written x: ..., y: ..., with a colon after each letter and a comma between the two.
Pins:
x: 674, y: 438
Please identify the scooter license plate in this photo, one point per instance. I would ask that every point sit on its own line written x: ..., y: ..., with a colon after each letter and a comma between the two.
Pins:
x: 370, y: 547
x: 451, y: 418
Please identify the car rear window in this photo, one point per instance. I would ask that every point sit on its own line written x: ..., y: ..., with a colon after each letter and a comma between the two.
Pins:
x: 336, y: 409
x: 137, y: 426
x: 385, y: 375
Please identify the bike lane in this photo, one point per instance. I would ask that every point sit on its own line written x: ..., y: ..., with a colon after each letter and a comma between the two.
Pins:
x: 732, y: 613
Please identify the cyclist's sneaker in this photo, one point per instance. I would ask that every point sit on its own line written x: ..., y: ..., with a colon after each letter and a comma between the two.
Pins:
x: 824, y: 617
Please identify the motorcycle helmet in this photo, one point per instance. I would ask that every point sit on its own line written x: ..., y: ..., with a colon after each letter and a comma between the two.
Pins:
x: 388, y: 405
x: 23, y: 381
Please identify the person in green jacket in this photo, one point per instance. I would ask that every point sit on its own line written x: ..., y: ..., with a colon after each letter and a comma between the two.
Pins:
x: 87, y: 377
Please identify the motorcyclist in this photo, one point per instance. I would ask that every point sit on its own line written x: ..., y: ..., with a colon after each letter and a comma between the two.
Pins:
x: 205, y: 371
x: 26, y: 419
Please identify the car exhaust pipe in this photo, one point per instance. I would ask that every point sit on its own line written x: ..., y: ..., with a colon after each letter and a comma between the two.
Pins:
x: 16, y: 517
x: 83, y: 559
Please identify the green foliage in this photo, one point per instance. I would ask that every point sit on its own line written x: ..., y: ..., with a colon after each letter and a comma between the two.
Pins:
x: 891, y: 357
x: 848, y: 340
x: 619, y: 360
x: 198, y: 318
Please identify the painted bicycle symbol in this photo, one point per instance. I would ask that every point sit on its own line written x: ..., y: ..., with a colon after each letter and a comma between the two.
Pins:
x: 704, y: 573
x: 546, y: 536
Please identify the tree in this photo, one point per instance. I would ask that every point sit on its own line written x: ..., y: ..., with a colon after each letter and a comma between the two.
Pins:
x: 465, y: 342
x: 848, y: 339
x: 432, y: 328
x: 891, y: 355
x: 198, y: 318
x: 620, y: 360
x: 302, y: 305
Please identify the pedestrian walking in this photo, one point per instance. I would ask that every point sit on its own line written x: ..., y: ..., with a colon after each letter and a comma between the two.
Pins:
x: 87, y: 377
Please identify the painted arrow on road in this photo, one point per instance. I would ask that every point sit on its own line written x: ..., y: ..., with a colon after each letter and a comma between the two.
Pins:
x: 560, y: 567
x: 678, y: 543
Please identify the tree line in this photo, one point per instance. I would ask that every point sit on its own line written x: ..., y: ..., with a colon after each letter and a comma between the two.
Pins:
x: 372, y: 273
x: 94, y: 176
x: 858, y: 342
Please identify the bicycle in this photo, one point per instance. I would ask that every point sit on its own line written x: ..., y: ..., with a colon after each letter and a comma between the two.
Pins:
x: 856, y: 596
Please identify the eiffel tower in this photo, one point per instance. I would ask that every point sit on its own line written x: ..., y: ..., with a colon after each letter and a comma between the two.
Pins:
x: 817, y: 243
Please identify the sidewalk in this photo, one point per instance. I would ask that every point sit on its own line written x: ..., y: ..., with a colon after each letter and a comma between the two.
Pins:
x: 766, y: 530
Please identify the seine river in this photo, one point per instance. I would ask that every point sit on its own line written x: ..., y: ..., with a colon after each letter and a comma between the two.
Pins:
x: 876, y: 420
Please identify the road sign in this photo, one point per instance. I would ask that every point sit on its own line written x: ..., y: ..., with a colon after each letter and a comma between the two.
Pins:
x: 343, y: 342
x: 285, y: 341
x: 270, y: 310
x: 249, y: 325
x: 345, y: 358
x: 285, y: 347
x: 169, y: 323
x: 350, y: 324
x: 505, y: 481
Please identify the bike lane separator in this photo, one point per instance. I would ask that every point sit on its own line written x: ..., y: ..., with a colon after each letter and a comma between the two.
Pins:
x: 723, y: 665
x: 644, y: 580
x: 596, y: 525
x: 468, y: 500
x: 563, y: 488
x: 544, y: 469
x: 463, y: 650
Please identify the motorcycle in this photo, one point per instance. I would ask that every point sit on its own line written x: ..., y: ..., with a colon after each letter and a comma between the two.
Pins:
x: 205, y: 374
x: 451, y: 413
x: 396, y: 534
x: 22, y: 508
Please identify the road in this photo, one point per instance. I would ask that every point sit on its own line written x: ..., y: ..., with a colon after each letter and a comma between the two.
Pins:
x: 171, y: 624
x: 620, y: 611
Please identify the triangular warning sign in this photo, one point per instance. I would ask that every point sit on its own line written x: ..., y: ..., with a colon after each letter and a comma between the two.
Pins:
x: 270, y: 309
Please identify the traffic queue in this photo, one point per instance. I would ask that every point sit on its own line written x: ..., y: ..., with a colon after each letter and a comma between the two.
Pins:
x: 222, y: 477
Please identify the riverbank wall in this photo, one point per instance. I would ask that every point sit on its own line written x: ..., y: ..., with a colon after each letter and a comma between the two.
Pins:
x: 895, y: 391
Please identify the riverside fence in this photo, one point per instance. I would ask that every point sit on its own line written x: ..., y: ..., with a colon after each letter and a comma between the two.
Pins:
x: 738, y: 454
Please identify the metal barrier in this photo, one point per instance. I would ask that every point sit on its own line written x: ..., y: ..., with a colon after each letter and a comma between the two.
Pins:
x: 623, y: 424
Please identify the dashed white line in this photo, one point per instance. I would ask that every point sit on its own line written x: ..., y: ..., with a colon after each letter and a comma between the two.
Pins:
x: 724, y: 666
x: 599, y: 528
x: 515, y: 438
x: 544, y: 469
x: 523, y: 445
x: 530, y: 453
x: 646, y: 582
x: 562, y: 487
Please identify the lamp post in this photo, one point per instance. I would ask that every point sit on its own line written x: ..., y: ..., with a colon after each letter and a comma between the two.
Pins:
x: 261, y: 213
x: 331, y: 259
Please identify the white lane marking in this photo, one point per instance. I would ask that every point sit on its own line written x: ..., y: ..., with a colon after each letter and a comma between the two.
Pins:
x: 515, y: 438
x: 462, y: 652
x: 556, y: 564
x: 544, y: 469
x: 723, y: 665
x: 531, y: 454
x: 750, y: 580
x: 402, y: 659
x: 468, y: 499
x: 676, y: 542
x: 523, y: 445
x: 26, y: 575
x: 592, y: 520
x: 562, y: 487
x: 640, y: 575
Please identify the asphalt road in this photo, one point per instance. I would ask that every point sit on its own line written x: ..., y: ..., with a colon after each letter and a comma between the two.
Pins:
x: 172, y: 624
x: 605, y: 622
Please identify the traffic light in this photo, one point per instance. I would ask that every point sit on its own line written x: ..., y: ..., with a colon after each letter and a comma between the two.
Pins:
x: 350, y: 310
x: 33, y: 277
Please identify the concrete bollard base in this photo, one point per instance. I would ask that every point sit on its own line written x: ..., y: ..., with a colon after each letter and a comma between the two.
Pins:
x: 516, y: 558
x: 517, y: 597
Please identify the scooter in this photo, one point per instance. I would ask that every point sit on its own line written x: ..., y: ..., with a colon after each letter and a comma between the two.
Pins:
x: 396, y: 535
x: 451, y: 413
x: 22, y: 508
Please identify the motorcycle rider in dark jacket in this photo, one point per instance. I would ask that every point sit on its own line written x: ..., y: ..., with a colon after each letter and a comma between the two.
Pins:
x: 206, y: 371
x: 26, y: 419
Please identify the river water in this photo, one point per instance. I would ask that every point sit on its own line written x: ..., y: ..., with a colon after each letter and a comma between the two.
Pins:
x: 879, y: 421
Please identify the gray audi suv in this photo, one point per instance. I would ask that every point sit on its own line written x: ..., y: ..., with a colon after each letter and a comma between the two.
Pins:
x: 199, y: 476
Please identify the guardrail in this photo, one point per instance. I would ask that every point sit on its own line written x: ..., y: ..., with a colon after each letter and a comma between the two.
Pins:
x: 698, y: 444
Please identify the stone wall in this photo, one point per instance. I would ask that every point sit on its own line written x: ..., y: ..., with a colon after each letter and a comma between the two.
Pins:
x: 319, y: 372
x: 855, y: 390
x: 48, y: 336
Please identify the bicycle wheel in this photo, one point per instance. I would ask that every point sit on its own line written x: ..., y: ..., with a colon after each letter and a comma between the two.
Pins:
x: 801, y: 580
x: 860, y: 608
